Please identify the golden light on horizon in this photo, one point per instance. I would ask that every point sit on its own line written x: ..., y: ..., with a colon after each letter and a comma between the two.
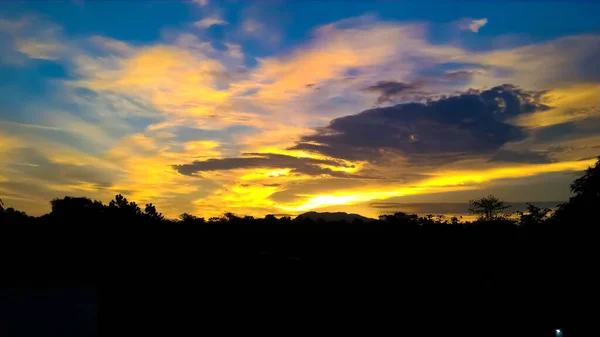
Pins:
x: 442, y: 181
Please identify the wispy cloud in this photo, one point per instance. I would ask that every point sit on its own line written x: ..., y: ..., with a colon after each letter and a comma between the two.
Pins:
x: 472, y: 24
x: 210, y: 21
x: 201, y: 3
x: 32, y: 37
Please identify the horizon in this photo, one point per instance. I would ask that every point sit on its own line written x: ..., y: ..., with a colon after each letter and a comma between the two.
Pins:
x: 257, y: 108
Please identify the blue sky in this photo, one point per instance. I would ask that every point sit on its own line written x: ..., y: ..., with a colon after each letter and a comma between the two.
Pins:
x: 288, y: 106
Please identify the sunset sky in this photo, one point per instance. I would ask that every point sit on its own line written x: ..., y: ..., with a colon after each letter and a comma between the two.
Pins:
x: 273, y: 107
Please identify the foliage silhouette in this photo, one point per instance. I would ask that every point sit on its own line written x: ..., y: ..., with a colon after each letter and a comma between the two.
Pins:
x: 489, y: 208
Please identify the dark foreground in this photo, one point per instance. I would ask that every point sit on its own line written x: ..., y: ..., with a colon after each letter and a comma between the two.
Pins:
x: 172, y: 280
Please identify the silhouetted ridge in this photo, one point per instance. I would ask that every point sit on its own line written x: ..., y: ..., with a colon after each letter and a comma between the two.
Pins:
x: 333, y: 217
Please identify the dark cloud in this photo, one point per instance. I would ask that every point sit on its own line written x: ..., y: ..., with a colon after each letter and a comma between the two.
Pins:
x: 387, y: 90
x: 459, y: 76
x: 447, y: 209
x: 271, y: 185
x: 555, y: 132
x: 570, y: 130
x: 446, y: 129
x: 298, y: 165
x: 529, y: 157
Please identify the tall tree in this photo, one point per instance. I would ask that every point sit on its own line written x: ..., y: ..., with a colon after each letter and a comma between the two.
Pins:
x: 488, y: 208
x: 584, y: 204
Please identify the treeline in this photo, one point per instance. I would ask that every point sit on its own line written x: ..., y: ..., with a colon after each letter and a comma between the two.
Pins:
x: 537, y: 265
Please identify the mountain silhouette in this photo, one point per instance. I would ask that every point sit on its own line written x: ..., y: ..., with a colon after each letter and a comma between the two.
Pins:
x: 333, y: 217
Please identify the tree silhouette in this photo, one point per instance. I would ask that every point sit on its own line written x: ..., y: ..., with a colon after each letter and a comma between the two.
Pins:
x: 152, y: 214
x: 120, y: 205
x: 534, y: 215
x: 583, y: 206
x: 588, y: 186
x: 190, y: 219
x: 488, y: 208
x: 1, y: 204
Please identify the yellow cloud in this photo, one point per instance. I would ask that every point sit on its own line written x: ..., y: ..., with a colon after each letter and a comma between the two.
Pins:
x: 442, y: 181
x: 569, y: 104
x: 174, y: 79
x: 147, y: 165
x: 7, y: 142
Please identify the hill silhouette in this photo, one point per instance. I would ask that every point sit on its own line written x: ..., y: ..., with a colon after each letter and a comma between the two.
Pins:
x: 535, y: 265
x: 333, y: 217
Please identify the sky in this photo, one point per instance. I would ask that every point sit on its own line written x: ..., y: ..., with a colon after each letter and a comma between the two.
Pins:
x: 284, y: 107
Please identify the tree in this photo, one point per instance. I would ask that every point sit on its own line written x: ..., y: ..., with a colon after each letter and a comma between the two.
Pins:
x: 270, y: 217
x: 187, y: 218
x: 151, y: 213
x: 1, y: 204
x: 534, y: 215
x: 455, y: 220
x: 76, y: 210
x: 488, y: 208
x: 230, y: 216
x: 122, y: 206
x: 588, y: 186
x: 584, y: 204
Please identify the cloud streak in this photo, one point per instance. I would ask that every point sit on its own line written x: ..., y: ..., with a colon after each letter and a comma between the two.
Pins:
x: 298, y: 165
x: 208, y: 22
x: 472, y: 24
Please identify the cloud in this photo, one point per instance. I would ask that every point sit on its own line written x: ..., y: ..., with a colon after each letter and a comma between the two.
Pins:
x: 112, y: 46
x: 448, y: 209
x: 520, y: 157
x: 298, y: 165
x: 251, y: 26
x: 207, y: 22
x: 34, y: 164
x: 473, y: 123
x: 297, y: 191
x: 175, y: 80
x: 572, y: 103
x: 387, y: 90
x: 38, y: 49
x: 439, y: 181
x: 201, y: 3
x: 472, y: 24
x: 256, y: 29
x: 32, y: 37
x: 234, y: 50
x: 565, y: 61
